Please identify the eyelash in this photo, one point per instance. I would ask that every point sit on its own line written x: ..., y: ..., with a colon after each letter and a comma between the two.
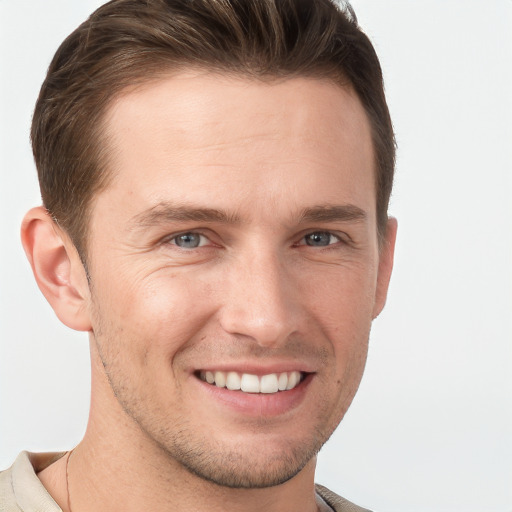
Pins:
x: 301, y: 243
x: 173, y: 240
x: 332, y: 236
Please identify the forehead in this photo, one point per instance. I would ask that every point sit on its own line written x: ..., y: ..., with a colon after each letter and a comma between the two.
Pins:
x: 276, y: 141
x: 191, y: 102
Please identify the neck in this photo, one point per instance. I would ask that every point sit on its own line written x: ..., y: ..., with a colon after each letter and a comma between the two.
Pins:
x: 107, y: 477
x: 118, y: 468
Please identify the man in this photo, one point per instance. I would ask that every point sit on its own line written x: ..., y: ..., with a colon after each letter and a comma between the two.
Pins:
x: 215, y: 178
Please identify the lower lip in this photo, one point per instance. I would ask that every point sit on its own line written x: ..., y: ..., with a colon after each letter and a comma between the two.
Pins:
x: 259, y: 404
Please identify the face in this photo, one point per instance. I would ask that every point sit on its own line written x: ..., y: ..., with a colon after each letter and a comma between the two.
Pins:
x: 234, y: 269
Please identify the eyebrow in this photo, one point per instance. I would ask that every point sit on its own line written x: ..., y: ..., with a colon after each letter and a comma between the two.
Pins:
x: 333, y: 213
x: 165, y: 212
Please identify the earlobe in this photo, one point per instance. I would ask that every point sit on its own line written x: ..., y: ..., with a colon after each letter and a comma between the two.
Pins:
x: 57, y: 268
x: 386, y: 258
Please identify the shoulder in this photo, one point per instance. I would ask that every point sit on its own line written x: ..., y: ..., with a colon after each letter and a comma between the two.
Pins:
x: 337, y: 503
x: 7, y: 497
x: 20, y: 488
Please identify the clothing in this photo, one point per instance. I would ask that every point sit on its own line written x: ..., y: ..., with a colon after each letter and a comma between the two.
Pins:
x: 337, y: 503
x: 22, y: 491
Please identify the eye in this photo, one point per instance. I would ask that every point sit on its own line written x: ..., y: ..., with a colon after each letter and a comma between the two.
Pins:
x: 320, y: 239
x: 189, y: 240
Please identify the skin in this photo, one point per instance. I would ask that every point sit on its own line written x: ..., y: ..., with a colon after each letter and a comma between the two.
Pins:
x: 250, y: 170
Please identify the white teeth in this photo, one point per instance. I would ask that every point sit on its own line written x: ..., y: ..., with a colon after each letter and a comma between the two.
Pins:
x: 233, y: 381
x: 297, y: 377
x: 220, y: 379
x: 268, y: 383
x: 248, y: 383
x: 293, y: 380
x: 282, y: 381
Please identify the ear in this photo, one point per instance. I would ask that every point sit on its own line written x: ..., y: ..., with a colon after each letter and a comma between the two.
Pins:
x: 57, y: 268
x: 386, y: 257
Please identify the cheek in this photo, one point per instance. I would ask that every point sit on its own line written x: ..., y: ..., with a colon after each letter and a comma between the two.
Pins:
x: 342, y: 298
x: 155, y: 314
x: 342, y: 307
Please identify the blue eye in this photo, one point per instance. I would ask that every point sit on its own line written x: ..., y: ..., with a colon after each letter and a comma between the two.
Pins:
x: 320, y: 239
x: 189, y: 240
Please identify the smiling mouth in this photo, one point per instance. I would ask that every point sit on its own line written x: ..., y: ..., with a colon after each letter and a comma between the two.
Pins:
x: 249, y: 383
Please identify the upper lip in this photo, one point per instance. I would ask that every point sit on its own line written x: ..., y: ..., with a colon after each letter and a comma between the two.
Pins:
x: 257, y: 369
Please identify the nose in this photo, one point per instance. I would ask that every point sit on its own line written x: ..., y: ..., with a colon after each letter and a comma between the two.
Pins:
x: 261, y: 301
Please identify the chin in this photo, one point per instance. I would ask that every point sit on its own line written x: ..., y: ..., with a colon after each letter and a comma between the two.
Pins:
x: 245, y: 469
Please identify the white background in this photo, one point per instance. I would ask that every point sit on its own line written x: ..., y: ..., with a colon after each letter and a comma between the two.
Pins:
x: 431, y: 428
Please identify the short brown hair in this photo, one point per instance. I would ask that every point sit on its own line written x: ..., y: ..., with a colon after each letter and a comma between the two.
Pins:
x: 126, y: 42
